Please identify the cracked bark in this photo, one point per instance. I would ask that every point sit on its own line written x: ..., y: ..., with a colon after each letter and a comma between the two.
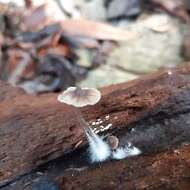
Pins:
x: 37, y: 129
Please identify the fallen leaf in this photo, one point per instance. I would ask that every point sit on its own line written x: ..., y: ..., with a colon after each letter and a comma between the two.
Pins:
x: 174, y: 7
x: 97, y: 30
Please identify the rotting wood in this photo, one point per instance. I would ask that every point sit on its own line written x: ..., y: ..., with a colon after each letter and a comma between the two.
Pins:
x: 37, y: 129
x: 7, y: 92
x: 163, y: 171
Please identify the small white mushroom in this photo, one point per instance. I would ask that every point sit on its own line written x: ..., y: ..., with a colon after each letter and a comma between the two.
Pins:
x: 80, y: 97
x: 113, y: 142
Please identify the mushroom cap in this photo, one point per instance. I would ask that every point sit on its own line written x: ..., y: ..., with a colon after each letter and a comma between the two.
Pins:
x: 113, y: 142
x: 80, y: 97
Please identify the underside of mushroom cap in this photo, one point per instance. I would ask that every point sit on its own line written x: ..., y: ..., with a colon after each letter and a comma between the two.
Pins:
x: 80, y: 97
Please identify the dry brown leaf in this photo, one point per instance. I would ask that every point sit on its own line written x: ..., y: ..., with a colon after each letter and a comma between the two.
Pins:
x: 36, y: 18
x: 55, y: 39
x: 20, y: 64
x: 175, y: 7
x: 98, y: 30
x: 58, y: 50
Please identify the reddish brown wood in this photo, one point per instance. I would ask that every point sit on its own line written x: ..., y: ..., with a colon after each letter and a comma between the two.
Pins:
x: 163, y: 171
x: 37, y: 129
x: 9, y: 92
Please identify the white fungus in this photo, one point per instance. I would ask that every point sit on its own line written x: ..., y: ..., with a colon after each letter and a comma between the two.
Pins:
x: 124, y: 152
x: 107, y: 126
x: 99, y: 150
x: 80, y: 97
x: 107, y: 117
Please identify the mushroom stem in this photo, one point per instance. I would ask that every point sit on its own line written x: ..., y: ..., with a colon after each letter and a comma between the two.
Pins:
x: 81, y: 120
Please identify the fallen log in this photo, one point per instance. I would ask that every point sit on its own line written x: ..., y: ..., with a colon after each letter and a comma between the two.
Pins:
x: 37, y: 129
x: 8, y: 92
x: 166, y: 170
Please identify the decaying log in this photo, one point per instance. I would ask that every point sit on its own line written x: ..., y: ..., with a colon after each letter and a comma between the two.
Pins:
x: 37, y: 129
x: 8, y: 92
x: 163, y: 171
x: 34, y: 130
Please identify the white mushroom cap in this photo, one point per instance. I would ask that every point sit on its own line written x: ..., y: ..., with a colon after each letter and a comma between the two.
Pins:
x: 80, y: 97
x: 113, y: 142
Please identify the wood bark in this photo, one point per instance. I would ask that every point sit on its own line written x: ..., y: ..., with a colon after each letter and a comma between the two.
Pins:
x: 162, y: 171
x: 37, y: 129
x: 8, y: 92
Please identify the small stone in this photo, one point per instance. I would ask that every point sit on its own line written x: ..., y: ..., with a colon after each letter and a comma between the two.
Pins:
x: 141, y: 55
x: 101, y: 77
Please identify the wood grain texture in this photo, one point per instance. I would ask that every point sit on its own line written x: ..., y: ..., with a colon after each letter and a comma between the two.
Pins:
x: 37, y: 129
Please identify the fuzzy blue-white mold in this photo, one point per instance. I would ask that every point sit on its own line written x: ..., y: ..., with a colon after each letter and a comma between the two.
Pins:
x: 123, y: 152
x: 99, y: 150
